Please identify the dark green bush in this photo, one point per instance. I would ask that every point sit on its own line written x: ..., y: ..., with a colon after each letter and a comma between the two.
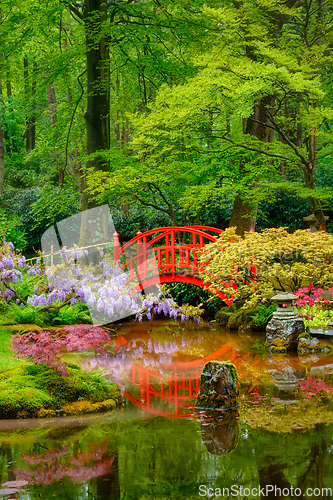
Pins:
x: 222, y: 316
x: 18, y: 202
x: 286, y: 210
x: 185, y: 293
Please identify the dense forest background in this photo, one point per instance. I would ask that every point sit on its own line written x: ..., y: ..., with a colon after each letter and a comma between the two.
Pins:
x: 173, y: 112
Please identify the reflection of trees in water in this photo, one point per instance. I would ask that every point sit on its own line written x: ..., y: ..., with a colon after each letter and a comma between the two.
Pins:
x: 107, y: 485
x: 312, y: 474
x: 151, y: 353
x: 161, y: 457
x: 55, y: 464
x: 6, y: 450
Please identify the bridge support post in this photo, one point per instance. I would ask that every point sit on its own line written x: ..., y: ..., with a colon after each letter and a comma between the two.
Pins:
x: 139, y: 256
x: 116, y: 247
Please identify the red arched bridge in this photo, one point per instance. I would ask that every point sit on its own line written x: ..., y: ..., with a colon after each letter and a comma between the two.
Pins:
x: 166, y: 255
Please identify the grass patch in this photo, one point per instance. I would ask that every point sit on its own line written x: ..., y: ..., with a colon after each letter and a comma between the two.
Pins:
x: 6, y: 359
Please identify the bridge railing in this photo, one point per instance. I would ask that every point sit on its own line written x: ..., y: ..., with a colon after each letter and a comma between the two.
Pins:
x: 158, y: 251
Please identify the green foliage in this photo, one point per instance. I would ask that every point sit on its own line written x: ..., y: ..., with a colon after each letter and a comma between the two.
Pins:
x: 6, y: 360
x: 26, y: 287
x: 256, y: 318
x: 67, y: 315
x: 223, y: 315
x: 71, y: 315
x: 262, y: 314
x: 240, y: 318
x: 180, y: 99
x: 193, y: 137
x: 305, y: 335
x: 32, y: 387
x: 18, y: 202
x: 26, y: 315
x: 136, y: 218
x: 54, y: 204
x: 284, y: 210
x: 258, y: 347
x: 11, y: 230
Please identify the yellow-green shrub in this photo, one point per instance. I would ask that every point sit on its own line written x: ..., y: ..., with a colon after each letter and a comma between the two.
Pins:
x: 283, y: 262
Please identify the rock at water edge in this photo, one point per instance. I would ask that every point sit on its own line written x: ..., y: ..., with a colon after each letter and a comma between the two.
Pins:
x: 281, y: 334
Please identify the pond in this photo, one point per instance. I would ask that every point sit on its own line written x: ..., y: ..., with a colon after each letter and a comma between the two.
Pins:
x: 278, y: 443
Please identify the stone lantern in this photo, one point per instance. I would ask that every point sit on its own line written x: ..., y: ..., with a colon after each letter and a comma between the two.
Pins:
x: 311, y: 219
x: 284, y: 327
x: 284, y: 306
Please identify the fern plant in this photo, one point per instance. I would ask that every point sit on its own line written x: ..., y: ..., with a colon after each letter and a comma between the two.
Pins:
x: 72, y: 315
x: 262, y: 315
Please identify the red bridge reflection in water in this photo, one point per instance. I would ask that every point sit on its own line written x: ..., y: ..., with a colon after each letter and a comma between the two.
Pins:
x: 166, y: 387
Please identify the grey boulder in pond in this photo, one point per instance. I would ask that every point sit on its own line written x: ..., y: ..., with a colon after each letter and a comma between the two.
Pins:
x: 218, y: 386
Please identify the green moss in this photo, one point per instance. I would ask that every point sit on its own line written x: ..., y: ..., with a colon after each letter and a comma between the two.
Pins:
x: 79, y: 407
x: 222, y: 316
x: 27, y: 399
x: 277, y: 346
x: 240, y: 318
x: 33, y: 387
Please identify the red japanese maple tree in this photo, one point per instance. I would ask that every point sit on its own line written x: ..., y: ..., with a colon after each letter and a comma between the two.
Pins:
x: 45, y: 348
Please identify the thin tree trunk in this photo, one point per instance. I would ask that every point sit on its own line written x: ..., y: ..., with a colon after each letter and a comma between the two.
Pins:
x: 75, y: 163
x: 30, y: 132
x: 52, y: 103
x: 2, y: 147
x: 309, y: 179
x: 11, y: 143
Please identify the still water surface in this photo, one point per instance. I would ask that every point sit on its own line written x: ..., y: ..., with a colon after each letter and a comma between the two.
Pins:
x: 159, y: 447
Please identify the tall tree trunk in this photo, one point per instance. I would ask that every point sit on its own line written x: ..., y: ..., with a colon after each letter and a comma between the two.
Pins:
x: 309, y: 179
x: 241, y: 216
x: 52, y: 103
x: 75, y: 162
x: 11, y: 144
x: 97, y: 116
x: 244, y: 212
x: 2, y: 147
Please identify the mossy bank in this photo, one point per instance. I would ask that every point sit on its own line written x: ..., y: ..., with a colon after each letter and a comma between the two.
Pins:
x: 245, y: 319
x: 39, y: 391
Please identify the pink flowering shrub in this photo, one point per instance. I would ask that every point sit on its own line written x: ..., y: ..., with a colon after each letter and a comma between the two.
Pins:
x: 312, y: 306
x: 44, y: 348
